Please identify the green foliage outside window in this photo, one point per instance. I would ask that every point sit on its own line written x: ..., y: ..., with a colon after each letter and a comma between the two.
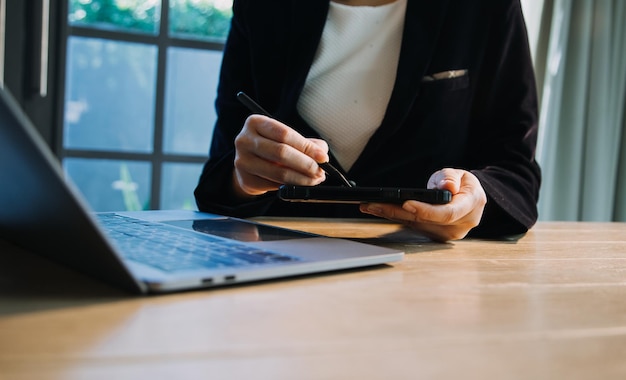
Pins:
x: 205, y: 19
x: 200, y: 18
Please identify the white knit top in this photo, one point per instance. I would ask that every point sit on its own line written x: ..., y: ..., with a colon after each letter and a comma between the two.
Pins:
x: 350, y: 82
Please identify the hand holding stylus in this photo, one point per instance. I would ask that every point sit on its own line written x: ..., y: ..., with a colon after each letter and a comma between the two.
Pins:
x: 270, y: 153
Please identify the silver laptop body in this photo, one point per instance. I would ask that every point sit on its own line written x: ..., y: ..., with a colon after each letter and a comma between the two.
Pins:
x: 44, y: 213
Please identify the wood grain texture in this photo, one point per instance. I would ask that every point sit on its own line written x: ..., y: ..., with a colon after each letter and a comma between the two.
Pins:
x: 549, y: 306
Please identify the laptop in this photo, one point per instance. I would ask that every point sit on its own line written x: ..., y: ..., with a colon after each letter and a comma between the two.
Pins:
x: 148, y: 251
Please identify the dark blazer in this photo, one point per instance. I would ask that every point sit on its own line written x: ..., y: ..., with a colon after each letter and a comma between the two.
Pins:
x: 484, y: 121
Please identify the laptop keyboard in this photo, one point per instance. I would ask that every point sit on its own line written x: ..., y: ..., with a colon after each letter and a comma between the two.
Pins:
x: 172, y: 249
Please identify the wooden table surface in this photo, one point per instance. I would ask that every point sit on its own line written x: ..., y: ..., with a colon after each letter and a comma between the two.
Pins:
x: 549, y: 306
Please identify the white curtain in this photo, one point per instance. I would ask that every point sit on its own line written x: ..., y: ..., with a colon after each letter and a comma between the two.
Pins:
x: 581, y: 68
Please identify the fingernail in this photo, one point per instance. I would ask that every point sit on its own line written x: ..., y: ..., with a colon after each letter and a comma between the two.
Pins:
x: 374, y: 209
x: 408, y: 207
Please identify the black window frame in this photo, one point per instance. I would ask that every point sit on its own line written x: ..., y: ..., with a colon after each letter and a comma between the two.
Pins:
x: 162, y: 41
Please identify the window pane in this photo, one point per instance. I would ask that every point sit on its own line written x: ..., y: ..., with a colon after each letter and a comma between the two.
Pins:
x: 124, y: 15
x: 110, y: 185
x: 191, y: 87
x: 179, y: 181
x: 200, y: 19
x: 110, y: 95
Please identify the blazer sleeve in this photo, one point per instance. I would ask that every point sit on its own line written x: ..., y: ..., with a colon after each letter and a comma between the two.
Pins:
x: 506, y: 121
x: 214, y: 192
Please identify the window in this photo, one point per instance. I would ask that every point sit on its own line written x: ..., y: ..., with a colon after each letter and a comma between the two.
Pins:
x: 140, y: 83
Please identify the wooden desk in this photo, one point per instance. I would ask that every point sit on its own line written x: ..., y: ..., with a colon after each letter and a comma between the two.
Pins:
x: 550, y: 306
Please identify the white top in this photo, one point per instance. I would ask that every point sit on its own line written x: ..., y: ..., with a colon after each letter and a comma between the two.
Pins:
x: 350, y: 82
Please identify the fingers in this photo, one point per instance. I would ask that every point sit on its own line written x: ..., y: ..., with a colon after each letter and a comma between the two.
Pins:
x: 289, y: 141
x: 269, y: 154
x: 437, y: 226
x: 451, y: 221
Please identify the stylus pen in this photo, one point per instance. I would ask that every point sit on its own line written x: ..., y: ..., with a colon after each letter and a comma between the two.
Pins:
x: 254, y: 107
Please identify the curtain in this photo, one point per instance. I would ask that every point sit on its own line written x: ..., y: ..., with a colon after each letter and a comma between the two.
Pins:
x: 581, y: 69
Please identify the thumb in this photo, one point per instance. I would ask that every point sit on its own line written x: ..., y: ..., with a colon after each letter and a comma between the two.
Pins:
x: 446, y: 179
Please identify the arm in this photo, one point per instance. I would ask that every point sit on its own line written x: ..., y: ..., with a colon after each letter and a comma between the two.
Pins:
x: 507, y: 123
x: 251, y: 156
x: 496, y: 183
x: 215, y: 191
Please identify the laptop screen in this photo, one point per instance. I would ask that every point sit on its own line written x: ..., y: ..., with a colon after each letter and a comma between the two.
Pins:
x: 238, y: 230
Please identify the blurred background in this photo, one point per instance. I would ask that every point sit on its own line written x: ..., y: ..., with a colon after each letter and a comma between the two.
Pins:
x: 123, y: 92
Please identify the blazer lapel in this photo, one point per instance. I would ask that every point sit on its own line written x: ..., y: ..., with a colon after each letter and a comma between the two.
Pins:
x: 424, y: 20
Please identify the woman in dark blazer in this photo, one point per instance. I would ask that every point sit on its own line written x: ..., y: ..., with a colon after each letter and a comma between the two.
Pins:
x: 461, y: 115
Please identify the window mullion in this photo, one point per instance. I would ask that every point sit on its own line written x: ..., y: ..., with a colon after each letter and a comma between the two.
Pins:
x: 158, y: 154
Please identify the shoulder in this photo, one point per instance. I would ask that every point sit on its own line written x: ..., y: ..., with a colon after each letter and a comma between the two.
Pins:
x: 275, y: 14
x: 263, y: 6
x: 486, y: 8
x: 468, y: 12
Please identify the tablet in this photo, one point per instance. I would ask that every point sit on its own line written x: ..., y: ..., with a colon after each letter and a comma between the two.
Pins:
x: 338, y: 194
